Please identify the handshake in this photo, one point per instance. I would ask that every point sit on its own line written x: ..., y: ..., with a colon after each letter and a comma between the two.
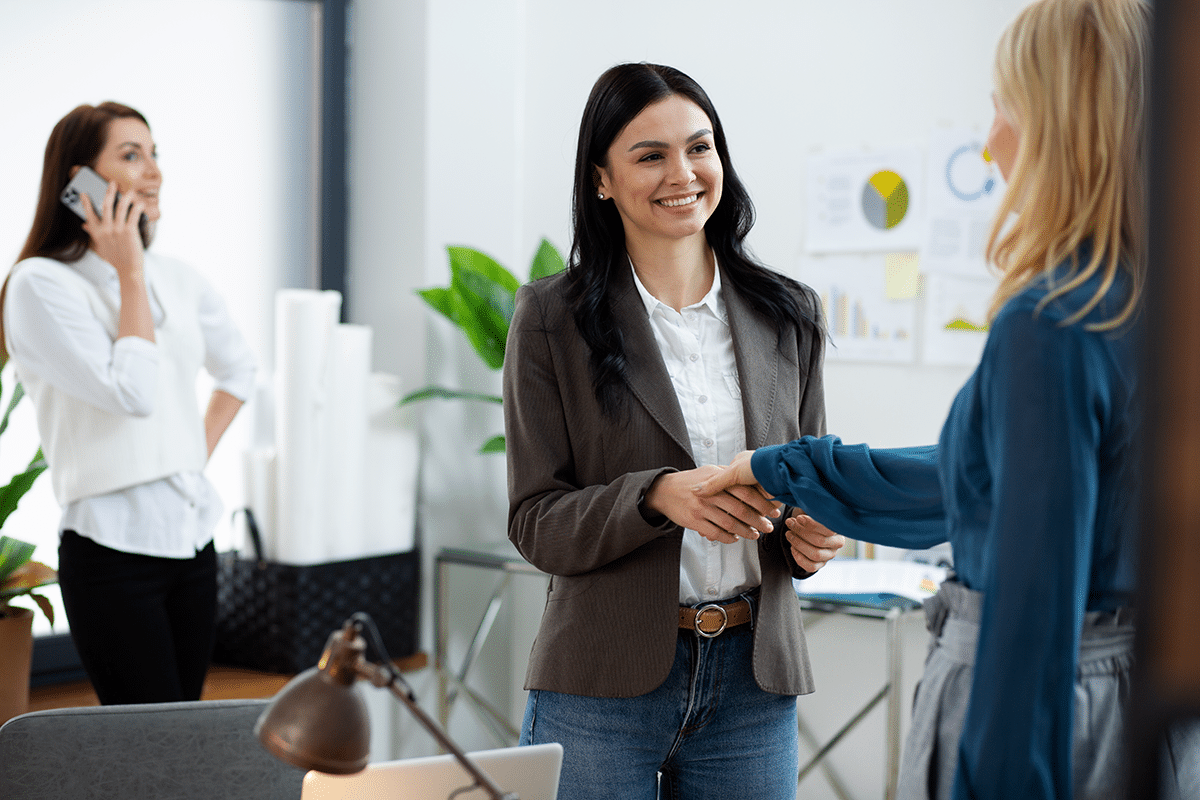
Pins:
x: 725, y: 504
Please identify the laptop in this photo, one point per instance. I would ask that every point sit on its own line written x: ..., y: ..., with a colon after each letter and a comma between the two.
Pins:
x: 531, y: 772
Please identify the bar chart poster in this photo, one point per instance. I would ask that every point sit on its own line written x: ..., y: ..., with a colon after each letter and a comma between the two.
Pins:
x: 955, y: 325
x: 864, y: 201
x: 864, y: 325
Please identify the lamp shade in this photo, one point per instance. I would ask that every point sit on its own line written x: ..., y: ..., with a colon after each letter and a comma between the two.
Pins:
x: 318, y: 721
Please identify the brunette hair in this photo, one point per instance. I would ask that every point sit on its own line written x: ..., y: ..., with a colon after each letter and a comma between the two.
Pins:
x: 57, y: 232
x: 598, y: 248
x: 76, y: 140
x: 1072, y: 75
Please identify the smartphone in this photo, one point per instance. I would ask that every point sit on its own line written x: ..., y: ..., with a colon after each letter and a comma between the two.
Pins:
x: 88, y: 181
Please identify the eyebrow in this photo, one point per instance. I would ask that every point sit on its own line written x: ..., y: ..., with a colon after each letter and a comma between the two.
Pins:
x: 654, y: 143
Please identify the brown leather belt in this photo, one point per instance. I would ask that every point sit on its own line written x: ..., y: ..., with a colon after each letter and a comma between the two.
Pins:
x: 713, y: 619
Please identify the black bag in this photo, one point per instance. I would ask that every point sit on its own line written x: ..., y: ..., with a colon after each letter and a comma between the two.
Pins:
x: 276, y: 617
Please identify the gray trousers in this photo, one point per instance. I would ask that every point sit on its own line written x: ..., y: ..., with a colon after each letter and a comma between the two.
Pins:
x: 1102, y: 687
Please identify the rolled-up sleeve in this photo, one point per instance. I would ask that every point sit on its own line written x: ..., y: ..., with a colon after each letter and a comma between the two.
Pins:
x: 228, y: 357
x: 52, y: 333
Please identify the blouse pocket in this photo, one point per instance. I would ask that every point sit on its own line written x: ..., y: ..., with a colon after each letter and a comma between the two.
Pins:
x: 731, y: 382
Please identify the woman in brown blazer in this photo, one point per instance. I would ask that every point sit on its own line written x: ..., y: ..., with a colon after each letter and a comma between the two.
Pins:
x: 671, y: 643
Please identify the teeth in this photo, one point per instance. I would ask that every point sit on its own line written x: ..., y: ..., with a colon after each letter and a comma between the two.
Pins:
x: 682, y: 201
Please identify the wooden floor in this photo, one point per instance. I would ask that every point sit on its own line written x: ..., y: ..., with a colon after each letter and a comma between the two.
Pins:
x: 222, y: 683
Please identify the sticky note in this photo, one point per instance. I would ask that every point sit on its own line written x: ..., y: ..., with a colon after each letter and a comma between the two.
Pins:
x: 901, y: 272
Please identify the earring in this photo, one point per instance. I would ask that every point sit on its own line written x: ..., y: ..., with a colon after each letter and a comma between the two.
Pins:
x: 599, y: 195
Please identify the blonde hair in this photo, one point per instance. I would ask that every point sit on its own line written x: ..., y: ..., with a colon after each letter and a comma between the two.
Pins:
x: 1071, y: 75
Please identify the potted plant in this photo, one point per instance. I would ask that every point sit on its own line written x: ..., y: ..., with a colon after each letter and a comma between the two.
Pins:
x: 480, y: 301
x: 19, y: 577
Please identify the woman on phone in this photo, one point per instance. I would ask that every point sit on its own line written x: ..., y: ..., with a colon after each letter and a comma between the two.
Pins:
x: 1024, y: 692
x: 107, y: 338
x: 671, y: 642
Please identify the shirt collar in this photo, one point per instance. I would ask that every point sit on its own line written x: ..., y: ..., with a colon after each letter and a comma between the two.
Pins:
x: 713, y: 300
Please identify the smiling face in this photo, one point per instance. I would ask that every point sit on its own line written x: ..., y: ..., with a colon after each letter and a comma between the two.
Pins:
x: 130, y: 159
x: 663, y: 172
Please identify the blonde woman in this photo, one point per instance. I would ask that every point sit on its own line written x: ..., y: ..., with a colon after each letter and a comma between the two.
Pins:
x: 1032, y: 479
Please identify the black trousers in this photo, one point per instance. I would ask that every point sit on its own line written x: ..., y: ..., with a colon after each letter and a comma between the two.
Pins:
x: 143, y: 625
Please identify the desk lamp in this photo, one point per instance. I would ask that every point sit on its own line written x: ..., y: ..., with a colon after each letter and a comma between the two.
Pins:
x: 317, y: 721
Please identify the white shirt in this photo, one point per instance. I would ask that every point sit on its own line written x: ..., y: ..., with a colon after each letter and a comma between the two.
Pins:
x: 697, y: 348
x: 55, y: 336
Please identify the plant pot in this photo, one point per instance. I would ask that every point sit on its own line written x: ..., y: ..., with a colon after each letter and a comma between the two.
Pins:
x: 16, y: 657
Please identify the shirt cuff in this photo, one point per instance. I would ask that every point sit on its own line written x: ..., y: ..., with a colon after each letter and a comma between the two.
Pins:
x: 135, y: 374
x: 239, y: 385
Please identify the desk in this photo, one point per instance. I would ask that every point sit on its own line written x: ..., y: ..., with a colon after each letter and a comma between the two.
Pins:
x: 816, y: 610
x: 498, y: 557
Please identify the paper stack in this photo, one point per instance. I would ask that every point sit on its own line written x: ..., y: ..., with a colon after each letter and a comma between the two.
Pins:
x: 871, y: 581
x: 339, y: 481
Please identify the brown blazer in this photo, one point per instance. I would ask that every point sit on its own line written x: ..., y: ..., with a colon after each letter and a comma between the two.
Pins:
x: 575, y: 477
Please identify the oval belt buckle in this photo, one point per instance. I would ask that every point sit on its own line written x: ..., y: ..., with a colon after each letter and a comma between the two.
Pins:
x: 718, y: 631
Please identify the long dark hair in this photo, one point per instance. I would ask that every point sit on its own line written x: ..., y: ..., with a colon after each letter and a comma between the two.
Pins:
x: 598, y: 249
x: 77, y: 139
x: 57, y: 233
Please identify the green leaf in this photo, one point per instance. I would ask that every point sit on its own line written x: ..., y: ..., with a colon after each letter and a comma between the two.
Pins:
x: 489, y: 317
x: 13, y: 554
x: 44, y: 604
x: 11, y: 494
x: 488, y: 291
x: 546, y: 261
x: 469, y: 259
x: 441, y: 299
x: 18, y: 393
x: 25, y: 578
x: 493, y: 445
x: 442, y: 393
x: 465, y: 312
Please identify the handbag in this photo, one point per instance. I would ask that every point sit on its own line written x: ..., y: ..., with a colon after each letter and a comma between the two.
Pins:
x: 277, y: 617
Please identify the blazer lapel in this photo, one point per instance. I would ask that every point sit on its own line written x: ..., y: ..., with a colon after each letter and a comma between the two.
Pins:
x: 757, y: 354
x: 645, y: 371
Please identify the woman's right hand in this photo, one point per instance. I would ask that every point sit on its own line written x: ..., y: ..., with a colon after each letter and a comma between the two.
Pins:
x: 117, y: 238
x: 739, y: 512
x: 115, y: 233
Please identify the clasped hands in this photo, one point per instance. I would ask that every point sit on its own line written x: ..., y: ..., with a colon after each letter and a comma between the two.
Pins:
x: 724, y: 504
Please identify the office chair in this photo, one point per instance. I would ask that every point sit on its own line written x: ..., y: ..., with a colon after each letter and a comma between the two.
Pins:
x: 166, y: 751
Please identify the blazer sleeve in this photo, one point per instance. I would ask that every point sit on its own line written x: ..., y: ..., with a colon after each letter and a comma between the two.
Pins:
x: 561, y: 522
x: 810, y: 420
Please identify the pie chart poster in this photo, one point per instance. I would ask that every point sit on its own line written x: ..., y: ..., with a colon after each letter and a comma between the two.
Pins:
x: 864, y: 201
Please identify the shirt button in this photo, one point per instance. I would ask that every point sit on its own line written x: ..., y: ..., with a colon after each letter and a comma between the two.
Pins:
x: 712, y: 590
x: 707, y: 442
x: 702, y: 399
x: 694, y: 357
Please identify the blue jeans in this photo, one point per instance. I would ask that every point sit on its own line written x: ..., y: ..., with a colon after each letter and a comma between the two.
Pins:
x: 708, y: 729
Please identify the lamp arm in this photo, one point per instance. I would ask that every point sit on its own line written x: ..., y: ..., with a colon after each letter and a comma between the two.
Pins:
x: 385, y: 678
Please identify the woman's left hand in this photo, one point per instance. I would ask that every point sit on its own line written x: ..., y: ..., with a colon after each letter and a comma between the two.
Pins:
x: 813, y: 545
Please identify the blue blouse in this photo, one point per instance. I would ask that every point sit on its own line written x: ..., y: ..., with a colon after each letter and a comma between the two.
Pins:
x: 1033, y: 483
